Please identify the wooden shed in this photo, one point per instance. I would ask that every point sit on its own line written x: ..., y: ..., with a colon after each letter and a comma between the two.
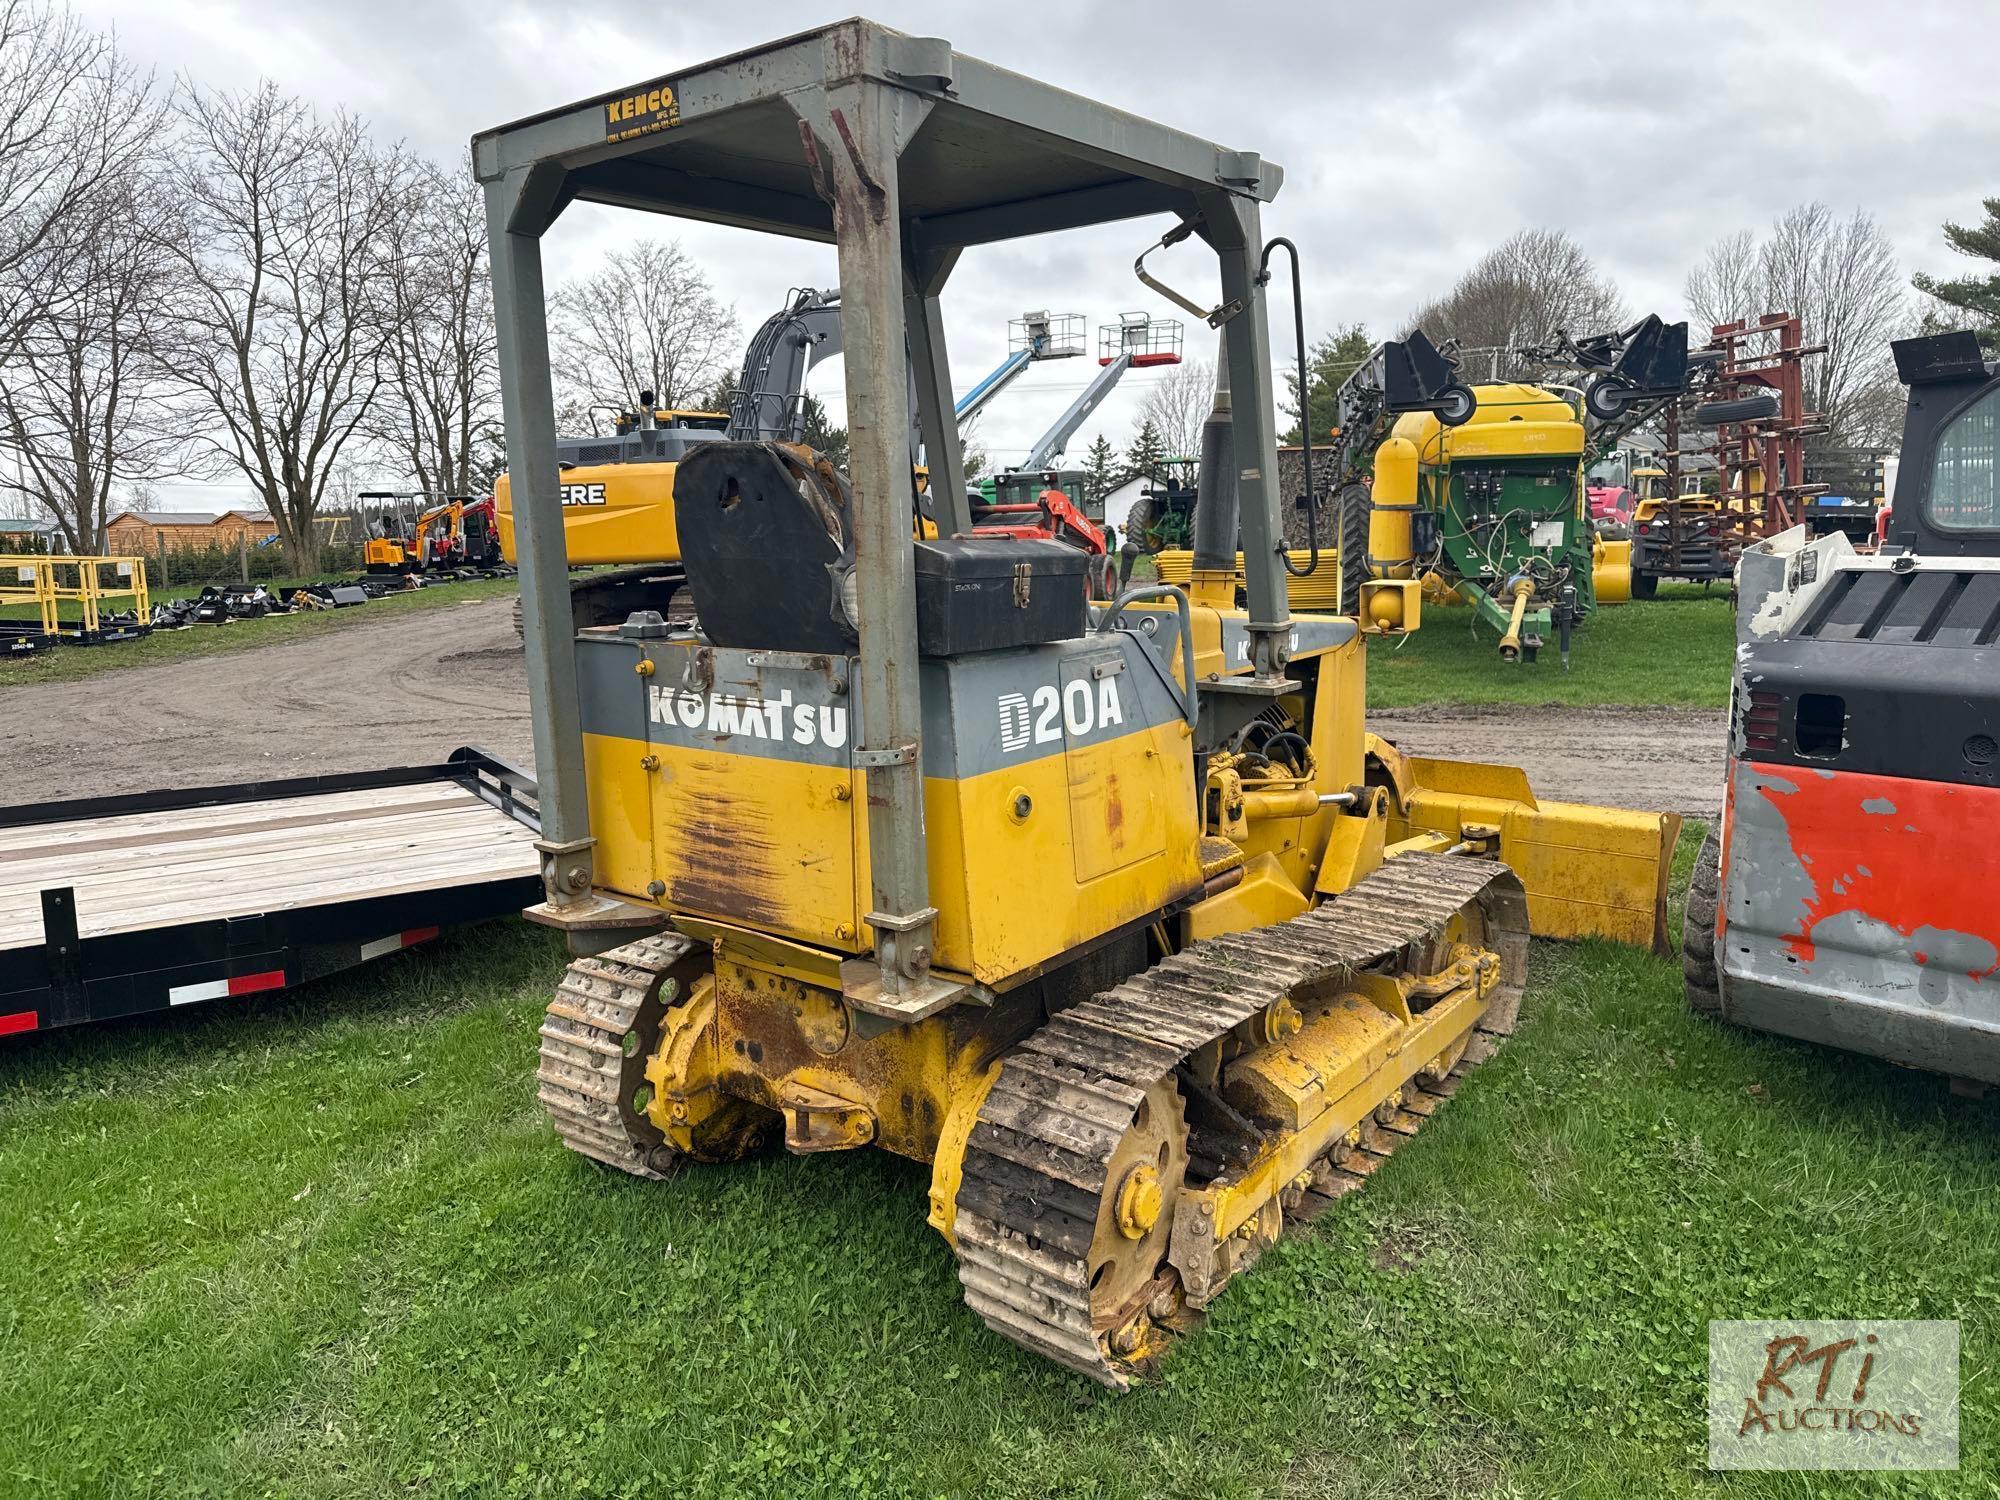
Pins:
x: 141, y: 531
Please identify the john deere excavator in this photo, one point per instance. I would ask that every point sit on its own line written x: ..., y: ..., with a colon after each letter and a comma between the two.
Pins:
x: 1115, y: 915
x: 618, y: 491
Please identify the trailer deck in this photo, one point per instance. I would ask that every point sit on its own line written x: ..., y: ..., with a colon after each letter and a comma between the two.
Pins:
x: 113, y: 906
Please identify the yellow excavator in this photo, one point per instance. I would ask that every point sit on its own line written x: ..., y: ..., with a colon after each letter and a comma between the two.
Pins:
x: 618, y: 490
x: 1113, y: 913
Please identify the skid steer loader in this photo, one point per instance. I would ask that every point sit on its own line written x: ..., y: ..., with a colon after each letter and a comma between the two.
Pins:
x: 1112, y: 913
x: 1848, y: 896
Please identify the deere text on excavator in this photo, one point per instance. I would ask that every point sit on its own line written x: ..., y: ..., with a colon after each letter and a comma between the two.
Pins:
x: 1112, y: 913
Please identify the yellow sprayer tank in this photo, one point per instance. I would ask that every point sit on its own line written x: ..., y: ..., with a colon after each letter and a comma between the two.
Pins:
x: 1510, y: 421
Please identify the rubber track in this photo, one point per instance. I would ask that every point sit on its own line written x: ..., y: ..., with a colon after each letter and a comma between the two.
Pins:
x: 583, y: 1062
x: 1036, y: 1162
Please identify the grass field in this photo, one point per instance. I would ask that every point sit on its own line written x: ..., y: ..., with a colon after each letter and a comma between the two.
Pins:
x: 67, y: 663
x: 1674, y: 651
x: 327, y: 1246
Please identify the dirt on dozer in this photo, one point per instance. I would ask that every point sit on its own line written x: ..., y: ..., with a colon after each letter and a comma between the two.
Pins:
x: 408, y: 691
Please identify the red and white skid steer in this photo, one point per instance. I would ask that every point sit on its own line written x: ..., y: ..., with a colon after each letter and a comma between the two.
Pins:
x: 1852, y: 893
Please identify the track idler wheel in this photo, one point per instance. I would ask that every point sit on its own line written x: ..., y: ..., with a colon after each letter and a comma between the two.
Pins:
x: 627, y: 1061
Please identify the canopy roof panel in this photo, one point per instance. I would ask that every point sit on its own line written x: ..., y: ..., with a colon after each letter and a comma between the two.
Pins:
x: 990, y: 154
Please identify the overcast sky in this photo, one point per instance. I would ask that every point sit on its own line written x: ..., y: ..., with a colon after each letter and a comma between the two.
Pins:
x: 1414, y: 136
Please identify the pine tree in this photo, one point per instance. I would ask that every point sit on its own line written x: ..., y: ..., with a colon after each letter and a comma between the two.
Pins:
x: 1100, y: 470
x: 1977, y: 297
x: 1147, y: 455
x: 1329, y: 362
x: 821, y: 432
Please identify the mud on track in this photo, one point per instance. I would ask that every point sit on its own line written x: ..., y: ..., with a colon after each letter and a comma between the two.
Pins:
x: 408, y: 691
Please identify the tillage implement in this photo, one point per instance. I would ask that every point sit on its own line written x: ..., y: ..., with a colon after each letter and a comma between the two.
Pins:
x: 1113, y: 913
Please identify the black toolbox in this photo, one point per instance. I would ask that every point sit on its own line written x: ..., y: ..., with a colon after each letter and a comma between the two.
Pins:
x: 988, y: 593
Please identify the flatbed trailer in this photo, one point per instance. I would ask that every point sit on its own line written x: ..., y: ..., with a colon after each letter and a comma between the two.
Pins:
x: 115, y: 906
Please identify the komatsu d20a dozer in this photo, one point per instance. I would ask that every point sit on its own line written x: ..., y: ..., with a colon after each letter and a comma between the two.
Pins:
x: 1850, y: 897
x: 1113, y: 914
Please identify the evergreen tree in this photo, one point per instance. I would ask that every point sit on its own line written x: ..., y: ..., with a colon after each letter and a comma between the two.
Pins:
x: 1977, y: 297
x: 1100, y: 470
x: 821, y: 432
x: 1148, y: 453
x: 1328, y: 363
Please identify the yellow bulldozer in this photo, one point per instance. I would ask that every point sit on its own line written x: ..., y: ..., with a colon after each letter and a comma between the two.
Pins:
x: 1113, y: 913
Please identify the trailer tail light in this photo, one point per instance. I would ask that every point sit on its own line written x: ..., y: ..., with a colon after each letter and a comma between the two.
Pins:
x: 1760, y: 722
x: 20, y: 1020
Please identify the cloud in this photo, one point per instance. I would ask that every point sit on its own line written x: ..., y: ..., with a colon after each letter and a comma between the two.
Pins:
x: 1414, y: 137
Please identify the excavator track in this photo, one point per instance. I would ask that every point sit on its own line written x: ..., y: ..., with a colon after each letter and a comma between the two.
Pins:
x: 607, y: 597
x: 595, y: 1037
x: 1039, y: 1165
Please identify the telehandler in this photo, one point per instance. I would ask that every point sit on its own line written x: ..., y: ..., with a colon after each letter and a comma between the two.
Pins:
x: 1115, y: 915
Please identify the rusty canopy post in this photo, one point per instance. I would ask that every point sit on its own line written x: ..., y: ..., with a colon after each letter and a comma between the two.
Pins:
x: 853, y: 134
x: 944, y: 451
x: 517, y: 212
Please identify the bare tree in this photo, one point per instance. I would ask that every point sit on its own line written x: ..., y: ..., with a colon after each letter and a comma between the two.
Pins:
x: 1727, y: 284
x: 1179, y: 403
x: 1535, y: 284
x: 649, y: 321
x: 288, y: 315
x: 1839, y: 275
x: 75, y: 119
x: 85, y: 404
x: 441, y: 408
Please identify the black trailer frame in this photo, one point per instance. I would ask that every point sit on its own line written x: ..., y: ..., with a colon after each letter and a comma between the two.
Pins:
x: 66, y: 979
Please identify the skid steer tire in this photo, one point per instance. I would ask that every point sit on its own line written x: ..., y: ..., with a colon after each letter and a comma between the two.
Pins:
x: 1645, y: 585
x: 1740, y: 409
x: 1704, y: 996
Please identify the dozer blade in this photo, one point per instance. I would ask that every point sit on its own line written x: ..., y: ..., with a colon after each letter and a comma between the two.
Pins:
x: 1589, y: 871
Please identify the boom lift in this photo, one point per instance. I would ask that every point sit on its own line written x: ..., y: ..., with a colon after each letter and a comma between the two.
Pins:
x: 1116, y: 915
x: 1847, y: 897
x: 1032, y: 337
x: 1136, y: 340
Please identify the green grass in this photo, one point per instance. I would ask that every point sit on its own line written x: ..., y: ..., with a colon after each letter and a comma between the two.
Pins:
x: 327, y: 1246
x: 68, y: 662
x: 1673, y: 651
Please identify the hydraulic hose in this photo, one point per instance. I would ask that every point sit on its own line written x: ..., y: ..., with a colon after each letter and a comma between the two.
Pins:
x: 1305, y: 408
